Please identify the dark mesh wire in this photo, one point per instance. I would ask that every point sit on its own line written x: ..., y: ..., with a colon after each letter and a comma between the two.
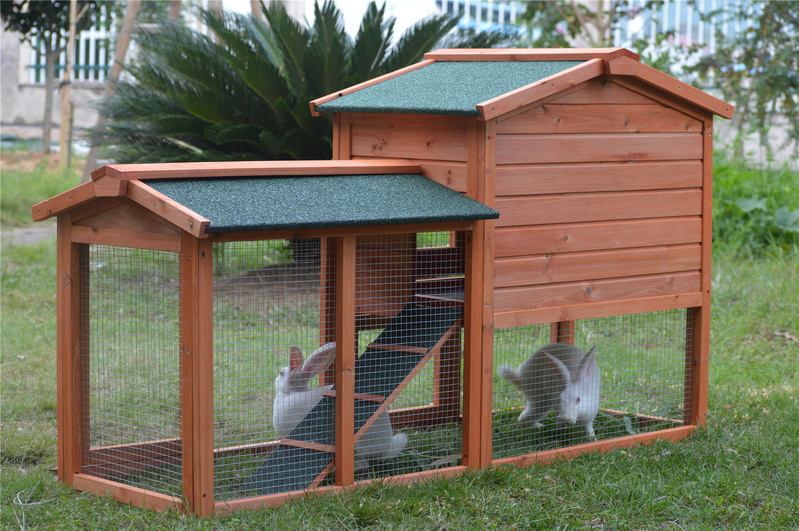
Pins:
x: 130, y: 355
x: 642, y: 361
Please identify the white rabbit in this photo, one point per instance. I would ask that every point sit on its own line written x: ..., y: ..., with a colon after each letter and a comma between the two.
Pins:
x: 294, y: 400
x: 558, y: 376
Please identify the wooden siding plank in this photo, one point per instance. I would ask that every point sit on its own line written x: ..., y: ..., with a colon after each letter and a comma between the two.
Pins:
x: 522, y: 241
x: 176, y: 170
x: 126, y: 238
x: 538, y: 149
x: 450, y: 174
x: 602, y: 93
x: 571, y: 312
x: 548, y: 86
x: 570, y: 267
x: 553, y: 118
x: 572, y: 208
x: 426, y: 141
x: 626, y: 66
x: 535, y: 179
x: 659, y: 96
x: 127, y: 216
x: 587, y: 292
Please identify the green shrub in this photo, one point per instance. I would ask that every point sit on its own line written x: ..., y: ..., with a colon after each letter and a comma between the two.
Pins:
x: 755, y: 211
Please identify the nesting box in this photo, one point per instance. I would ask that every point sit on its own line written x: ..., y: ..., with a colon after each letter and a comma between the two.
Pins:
x: 481, y: 205
x: 601, y: 170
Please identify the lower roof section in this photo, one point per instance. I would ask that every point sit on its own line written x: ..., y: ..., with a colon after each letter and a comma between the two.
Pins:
x: 303, y: 202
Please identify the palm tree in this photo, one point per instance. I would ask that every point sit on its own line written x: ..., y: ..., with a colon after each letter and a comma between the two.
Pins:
x: 246, y: 97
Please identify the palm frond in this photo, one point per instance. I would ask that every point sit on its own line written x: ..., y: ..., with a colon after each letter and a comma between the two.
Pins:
x: 371, y: 43
x: 418, y: 39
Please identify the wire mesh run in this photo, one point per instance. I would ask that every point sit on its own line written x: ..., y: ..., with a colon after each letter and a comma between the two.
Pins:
x: 266, y: 305
x: 130, y: 368
x: 273, y: 437
x: 552, y: 390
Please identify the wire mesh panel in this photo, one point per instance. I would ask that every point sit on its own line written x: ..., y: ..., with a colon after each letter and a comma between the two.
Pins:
x: 409, y: 289
x: 570, y: 383
x: 265, y: 305
x: 130, y: 341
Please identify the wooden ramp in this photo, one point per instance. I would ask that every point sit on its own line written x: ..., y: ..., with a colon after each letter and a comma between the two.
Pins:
x: 305, y: 458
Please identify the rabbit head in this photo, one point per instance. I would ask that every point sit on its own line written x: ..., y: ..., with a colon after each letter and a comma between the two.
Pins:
x: 578, y: 402
x: 295, y: 376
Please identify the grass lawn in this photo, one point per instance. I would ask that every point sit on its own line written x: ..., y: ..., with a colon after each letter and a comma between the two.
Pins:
x: 740, y: 473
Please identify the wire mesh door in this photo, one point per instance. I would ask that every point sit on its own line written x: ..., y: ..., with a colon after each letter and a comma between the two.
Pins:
x: 570, y: 383
x: 130, y: 381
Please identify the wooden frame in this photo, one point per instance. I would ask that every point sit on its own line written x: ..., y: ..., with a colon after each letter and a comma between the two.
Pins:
x: 602, y: 175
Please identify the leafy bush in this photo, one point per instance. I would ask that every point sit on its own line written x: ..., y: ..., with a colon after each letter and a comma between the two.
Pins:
x: 755, y: 211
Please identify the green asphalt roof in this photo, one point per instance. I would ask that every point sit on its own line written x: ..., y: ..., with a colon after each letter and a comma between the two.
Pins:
x: 279, y: 203
x: 446, y: 87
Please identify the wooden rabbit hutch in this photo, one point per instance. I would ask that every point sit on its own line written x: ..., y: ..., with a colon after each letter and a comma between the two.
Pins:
x: 480, y: 205
x: 601, y: 170
x: 179, y: 300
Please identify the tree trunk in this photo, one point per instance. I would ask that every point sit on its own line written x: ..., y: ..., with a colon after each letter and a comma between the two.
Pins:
x: 119, y: 57
x: 50, y: 58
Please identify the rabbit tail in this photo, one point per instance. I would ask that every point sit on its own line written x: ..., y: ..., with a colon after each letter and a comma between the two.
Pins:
x: 511, y: 375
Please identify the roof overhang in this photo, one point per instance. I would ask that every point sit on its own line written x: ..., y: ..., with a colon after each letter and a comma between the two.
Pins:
x: 207, y: 198
x: 400, y: 95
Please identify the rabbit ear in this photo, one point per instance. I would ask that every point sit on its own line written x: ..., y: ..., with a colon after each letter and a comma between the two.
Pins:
x: 319, y: 360
x: 587, y: 365
x: 295, y: 358
x: 558, y: 368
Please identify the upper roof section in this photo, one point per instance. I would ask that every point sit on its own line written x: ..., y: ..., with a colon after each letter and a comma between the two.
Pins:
x: 490, y: 82
x: 207, y: 198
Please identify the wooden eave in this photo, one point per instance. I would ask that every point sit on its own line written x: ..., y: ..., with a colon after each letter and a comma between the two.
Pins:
x: 128, y: 181
x: 598, y: 62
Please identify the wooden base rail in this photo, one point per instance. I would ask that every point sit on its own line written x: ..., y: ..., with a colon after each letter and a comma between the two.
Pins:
x: 568, y: 452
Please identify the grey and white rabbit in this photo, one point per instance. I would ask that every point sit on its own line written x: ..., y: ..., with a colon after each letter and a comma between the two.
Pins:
x: 294, y: 400
x: 558, y: 376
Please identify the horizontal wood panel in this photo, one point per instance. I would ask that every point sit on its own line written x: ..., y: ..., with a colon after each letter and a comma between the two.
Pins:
x: 588, y: 292
x: 571, y: 208
x: 123, y: 238
x: 552, y: 118
x: 431, y: 142
x: 525, y: 241
x: 450, y: 174
x: 553, y: 149
x: 570, y: 267
x: 574, y: 312
x: 603, y: 92
x: 597, y: 177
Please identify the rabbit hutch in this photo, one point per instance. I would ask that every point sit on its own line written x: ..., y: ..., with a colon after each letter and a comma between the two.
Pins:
x: 601, y: 170
x: 232, y: 335
x: 186, y: 289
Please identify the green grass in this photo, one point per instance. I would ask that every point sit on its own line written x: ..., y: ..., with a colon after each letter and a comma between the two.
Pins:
x: 740, y: 473
x: 29, y: 178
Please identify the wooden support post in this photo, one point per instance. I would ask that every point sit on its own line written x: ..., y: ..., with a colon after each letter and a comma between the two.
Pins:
x: 69, y: 408
x: 345, y: 360
x: 698, y: 323
x: 196, y: 373
x: 562, y: 332
x: 479, y: 346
